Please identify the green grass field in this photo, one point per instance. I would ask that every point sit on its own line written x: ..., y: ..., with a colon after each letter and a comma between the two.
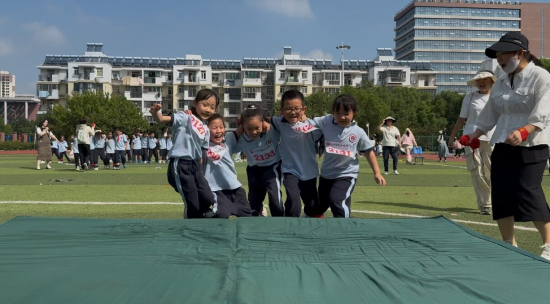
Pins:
x: 429, y: 190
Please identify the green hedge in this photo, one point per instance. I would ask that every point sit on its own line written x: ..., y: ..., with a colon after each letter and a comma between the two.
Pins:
x: 15, y: 145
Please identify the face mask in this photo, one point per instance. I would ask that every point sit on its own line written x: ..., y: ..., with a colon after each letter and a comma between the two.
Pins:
x: 512, y: 65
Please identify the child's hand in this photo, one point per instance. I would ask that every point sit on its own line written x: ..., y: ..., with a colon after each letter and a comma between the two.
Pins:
x: 188, y: 112
x: 379, y: 179
x: 155, y: 108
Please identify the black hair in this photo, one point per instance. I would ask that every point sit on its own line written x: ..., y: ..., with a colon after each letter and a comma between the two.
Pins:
x: 291, y: 94
x: 346, y: 101
x: 253, y: 112
x: 214, y: 117
x: 408, y: 133
x: 83, y: 120
x: 203, y: 95
x: 41, y: 123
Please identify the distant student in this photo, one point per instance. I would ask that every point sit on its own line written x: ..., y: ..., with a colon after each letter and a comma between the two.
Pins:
x: 128, y: 148
x: 162, y: 148
x: 169, y: 145
x: 299, y: 161
x: 144, y: 146
x: 55, y: 148
x: 136, y: 141
x: 152, y: 145
x: 340, y: 168
x: 264, y: 161
x: 191, y: 138
x: 120, y: 148
x: 62, y: 150
x: 76, y: 154
x: 110, y: 148
x: 91, y: 163
x: 99, y: 151
x: 230, y: 197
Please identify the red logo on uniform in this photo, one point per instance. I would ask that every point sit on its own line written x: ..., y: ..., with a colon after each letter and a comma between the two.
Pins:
x: 269, y: 141
x: 352, y: 138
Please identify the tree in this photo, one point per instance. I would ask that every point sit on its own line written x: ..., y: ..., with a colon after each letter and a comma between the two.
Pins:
x: 1, y: 125
x: 8, y: 129
x: 545, y: 63
x: 22, y: 125
x: 106, y: 111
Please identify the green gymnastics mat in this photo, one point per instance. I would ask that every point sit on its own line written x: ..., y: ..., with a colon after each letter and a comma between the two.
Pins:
x: 262, y: 260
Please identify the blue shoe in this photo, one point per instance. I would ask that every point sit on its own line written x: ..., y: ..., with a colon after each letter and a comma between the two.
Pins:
x: 124, y: 165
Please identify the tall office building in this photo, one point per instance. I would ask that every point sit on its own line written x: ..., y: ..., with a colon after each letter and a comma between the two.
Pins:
x: 7, y: 84
x: 453, y: 34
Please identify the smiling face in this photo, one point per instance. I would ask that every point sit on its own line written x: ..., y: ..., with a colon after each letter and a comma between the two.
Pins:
x: 206, y: 107
x: 389, y: 122
x: 110, y: 135
x: 343, y: 117
x: 217, y: 130
x: 253, y: 127
x: 484, y: 84
x: 293, y: 109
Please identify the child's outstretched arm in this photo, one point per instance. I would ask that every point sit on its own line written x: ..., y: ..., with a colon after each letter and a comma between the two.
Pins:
x: 157, y: 114
x: 373, y: 163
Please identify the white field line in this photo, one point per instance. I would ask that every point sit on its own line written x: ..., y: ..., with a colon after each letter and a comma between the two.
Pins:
x: 169, y: 203
x: 459, y: 167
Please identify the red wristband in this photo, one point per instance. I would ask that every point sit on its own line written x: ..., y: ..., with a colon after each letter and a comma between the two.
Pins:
x: 524, y: 133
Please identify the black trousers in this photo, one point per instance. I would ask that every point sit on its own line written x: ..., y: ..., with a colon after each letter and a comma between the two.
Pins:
x: 100, y: 153
x: 336, y: 194
x: 186, y: 177
x: 296, y: 189
x: 129, y: 154
x: 55, y: 152
x: 163, y: 153
x: 137, y: 152
x: 120, y: 156
x: 516, y: 178
x: 111, y: 156
x: 386, y: 152
x: 231, y: 202
x: 262, y: 181
x: 60, y: 158
x: 76, y: 159
x: 144, y: 155
x: 84, y: 153
x: 153, y: 152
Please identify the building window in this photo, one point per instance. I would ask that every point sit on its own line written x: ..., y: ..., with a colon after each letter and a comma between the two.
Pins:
x: 282, y: 75
x: 215, y: 77
x: 281, y: 90
x: 304, y: 75
x: 304, y: 90
x: 252, y: 74
x: 203, y: 75
x: 99, y: 72
x: 233, y: 76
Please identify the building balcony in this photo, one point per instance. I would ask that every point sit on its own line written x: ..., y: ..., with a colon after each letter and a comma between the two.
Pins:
x: 168, y: 97
x: 78, y: 76
x: 167, y: 82
x: 116, y: 82
x: 44, y: 77
x: 136, y: 94
x: 267, y: 82
x: 333, y: 82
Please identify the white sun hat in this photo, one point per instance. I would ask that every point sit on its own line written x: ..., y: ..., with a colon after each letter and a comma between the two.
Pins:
x: 481, y: 75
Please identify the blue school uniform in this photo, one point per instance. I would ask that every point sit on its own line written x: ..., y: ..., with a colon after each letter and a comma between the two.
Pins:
x: 110, y: 144
x: 222, y: 178
x: 137, y: 143
x: 162, y: 143
x: 340, y: 166
x: 62, y: 146
x: 92, y: 145
x: 298, y: 143
x: 191, y: 139
x: 54, y: 144
x: 263, y: 170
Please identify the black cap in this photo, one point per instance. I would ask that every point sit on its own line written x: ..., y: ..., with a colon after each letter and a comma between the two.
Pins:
x: 510, y: 42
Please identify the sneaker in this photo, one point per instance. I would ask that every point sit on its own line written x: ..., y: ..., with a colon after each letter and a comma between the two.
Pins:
x: 77, y: 168
x: 385, y: 172
x: 48, y: 167
x: 545, y: 251
x: 42, y: 162
x: 395, y: 172
x: 96, y: 168
x: 85, y: 167
x: 124, y: 165
x: 60, y: 162
x: 485, y: 211
x: 37, y: 167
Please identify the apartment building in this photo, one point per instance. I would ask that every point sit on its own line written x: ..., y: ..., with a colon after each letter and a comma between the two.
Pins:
x: 174, y: 82
x: 453, y: 34
x: 7, y: 84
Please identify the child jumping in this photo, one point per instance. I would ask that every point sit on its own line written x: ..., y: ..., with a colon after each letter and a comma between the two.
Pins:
x: 191, y: 138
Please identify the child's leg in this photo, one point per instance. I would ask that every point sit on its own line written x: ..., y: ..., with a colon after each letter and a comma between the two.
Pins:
x: 231, y: 202
x: 395, y: 157
x: 66, y: 156
x: 182, y: 176
x: 116, y: 161
x: 340, y: 196
x: 144, y: 155
x: 123, y: 157
x: 386, y: 155
x: 293, y: 206
x: 95, y: 157
x: 256, y: 188
x: 325, y: 186
x: 310, y: 197
x: 272, y: 182
x: 76, y: 159
x: 55, y: 152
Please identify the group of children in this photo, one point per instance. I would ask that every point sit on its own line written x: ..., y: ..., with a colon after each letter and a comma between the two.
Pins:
x: 115, y: 149
x: 279, y: 151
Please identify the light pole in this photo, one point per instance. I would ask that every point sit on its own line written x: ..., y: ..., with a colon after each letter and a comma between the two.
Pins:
x: 342, y: 47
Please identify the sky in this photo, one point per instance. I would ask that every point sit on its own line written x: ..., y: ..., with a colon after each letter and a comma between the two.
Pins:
x: 215, y: 29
